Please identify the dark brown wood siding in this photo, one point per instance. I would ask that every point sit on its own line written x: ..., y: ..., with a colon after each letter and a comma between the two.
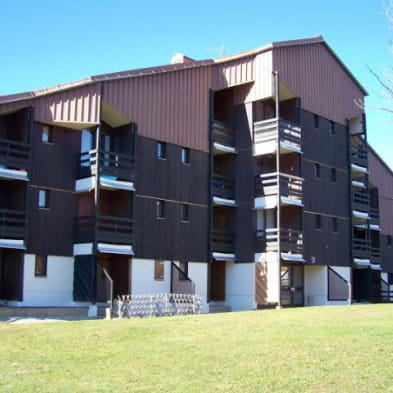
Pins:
x: 386, y: 254
x: 169, y: 178
x: 53, y: 168
x: 244, y: 186
x: 325, y: 196
x: 170, y: 238
x: 324, y: 246
x: 51, y: 230
x: 54, y: 164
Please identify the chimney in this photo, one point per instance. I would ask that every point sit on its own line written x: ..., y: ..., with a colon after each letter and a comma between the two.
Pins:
x: 181, y: 58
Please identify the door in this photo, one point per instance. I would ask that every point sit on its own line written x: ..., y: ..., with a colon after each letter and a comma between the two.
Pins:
x: 292, y: 285
x: 217, y: 280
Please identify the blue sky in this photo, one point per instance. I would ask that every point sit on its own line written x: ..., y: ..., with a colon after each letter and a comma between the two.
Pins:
x: 45, y: 43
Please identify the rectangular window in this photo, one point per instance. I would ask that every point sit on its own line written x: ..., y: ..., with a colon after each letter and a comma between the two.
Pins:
x: 183, y: 274
x: 158, y: 270
x: 185, y: 155
x: 43, y: 199
x: 389, y: 240
x: 161, y: 150
x: 40, y: 266
x: 316, y: 121
x: 333, y: 175
x: 185, y: 212
x: 332, y: 128
x: 46, y: 135
x: 335, y: 224
x: 317, y: 170
x: 160, y: 208
x: 318, y: 221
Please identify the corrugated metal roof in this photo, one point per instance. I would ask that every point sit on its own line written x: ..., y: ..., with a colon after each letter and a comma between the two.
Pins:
x: 175, y: 67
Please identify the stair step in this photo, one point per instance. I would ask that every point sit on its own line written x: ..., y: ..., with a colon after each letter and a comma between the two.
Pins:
x: 214, y: 308
x: 54, y: 312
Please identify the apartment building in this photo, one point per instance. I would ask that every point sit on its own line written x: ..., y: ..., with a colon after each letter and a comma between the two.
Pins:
x: 245, y: 179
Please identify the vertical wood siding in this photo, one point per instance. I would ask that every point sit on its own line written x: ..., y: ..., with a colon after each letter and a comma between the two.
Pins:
x: 172, y: 107
x: 312, y: 73
x: 382, y: 178
x: 169, y: 178
x: 55, y: 163
x: 170, y: 238
x: 79, y: 105
x: 51, y: 231
x: 328, y: 247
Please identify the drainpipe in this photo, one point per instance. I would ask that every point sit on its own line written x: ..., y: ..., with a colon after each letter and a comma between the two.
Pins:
x: 277, y: 97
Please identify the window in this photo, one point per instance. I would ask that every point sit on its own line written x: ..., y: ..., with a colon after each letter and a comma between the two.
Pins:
x: 160, y: 208
x: 332, y: 128
x: 316, y: 121
x: 317, y: 170
x: 335, y: 224
x: 183, y: 267
x: 333, y: 175
x: 185, y: 155
x: 318, y: 221
x: 40, y: 266
x: 161, y: 150
x: 46, y: 136
x: 43, y: 199
x: 389, y: 240
x: 185, y: 212
x: 158, y: 270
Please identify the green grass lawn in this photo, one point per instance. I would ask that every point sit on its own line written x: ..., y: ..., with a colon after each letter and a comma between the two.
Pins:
x: 318, y: 349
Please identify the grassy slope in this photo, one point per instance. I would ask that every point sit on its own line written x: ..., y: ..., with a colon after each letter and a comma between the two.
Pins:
x: 327, y: 349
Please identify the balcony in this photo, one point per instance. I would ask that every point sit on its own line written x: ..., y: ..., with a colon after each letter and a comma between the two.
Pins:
x: 375, y: 253
x: 268, y: 132
x: 374, y: 218
x: 14, y: 159
x: 223, y: 186
x: 361, y: 248
x: 114, y: 165
x: 13, y: 224
x: 223, y: 137
x: 223, y: 241
x: 110, y: 229
x: 291, y: 240
x: 268, y: 186
x: 360, y: 202
x: 358, y: 156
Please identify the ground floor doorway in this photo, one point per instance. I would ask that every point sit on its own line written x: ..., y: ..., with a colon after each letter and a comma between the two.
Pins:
x: 217, y: 280
x: 291, y: 285
x: 11, y: 274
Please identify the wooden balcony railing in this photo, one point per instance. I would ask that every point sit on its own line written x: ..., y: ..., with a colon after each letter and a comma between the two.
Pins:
x: 360, y: 201
x: 374, y: 215
x: 222, y: 133
x: 13, y: 224
x: 290, y: 186
x: 101, y: 228
x: 361, y: 248
x: 223, y: 241
x: 121, y: 166
x: 223, y: 186
x: 286, y: 131
x: 358, y: 156
x: 14, y: 155
x: 375, y: 253
x: 291, y: 240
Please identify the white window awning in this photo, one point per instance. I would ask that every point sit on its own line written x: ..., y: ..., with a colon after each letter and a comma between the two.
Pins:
x: 11, y: 243
x: 13, y: 174
x: 287, y: 256
x: 112, y: 183
x: 221, y: 256
x: 362, y: 262
x: 115, y: 249
x: 224, y: 148
x: 224, y: 201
